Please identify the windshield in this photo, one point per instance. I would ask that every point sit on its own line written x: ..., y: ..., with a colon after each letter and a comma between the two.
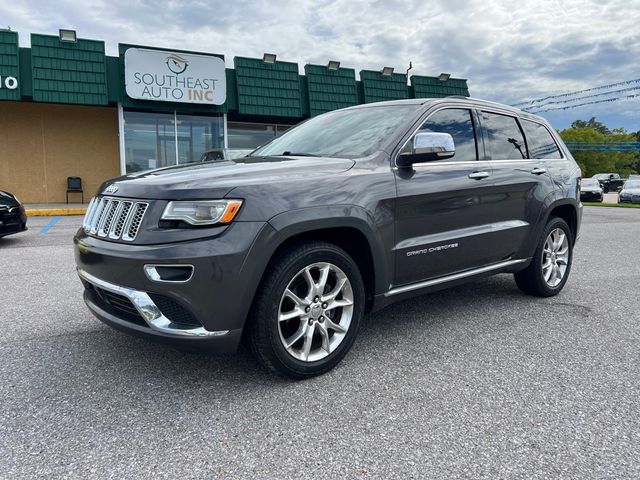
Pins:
x: 629, y: 184
x: 344, y: 133
x: 590, y: 182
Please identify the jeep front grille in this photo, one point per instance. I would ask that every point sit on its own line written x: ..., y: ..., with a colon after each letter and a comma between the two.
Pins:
x: 114, y: 218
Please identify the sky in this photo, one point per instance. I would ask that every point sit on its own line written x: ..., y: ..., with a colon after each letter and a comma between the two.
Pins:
x: 509, y: 51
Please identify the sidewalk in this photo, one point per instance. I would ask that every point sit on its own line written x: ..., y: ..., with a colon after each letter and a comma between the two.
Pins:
x: 52, y: 209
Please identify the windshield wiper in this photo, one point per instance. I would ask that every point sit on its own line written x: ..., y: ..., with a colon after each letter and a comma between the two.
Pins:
x: 297, y: 154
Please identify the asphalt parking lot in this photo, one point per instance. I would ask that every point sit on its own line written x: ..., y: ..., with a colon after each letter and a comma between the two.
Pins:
x: 479, y: 381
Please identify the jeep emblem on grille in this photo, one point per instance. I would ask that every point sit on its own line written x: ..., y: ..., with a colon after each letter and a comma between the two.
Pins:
x: 113, y: 188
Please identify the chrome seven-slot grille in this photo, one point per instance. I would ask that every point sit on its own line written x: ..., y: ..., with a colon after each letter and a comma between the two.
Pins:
x: 114, y: 218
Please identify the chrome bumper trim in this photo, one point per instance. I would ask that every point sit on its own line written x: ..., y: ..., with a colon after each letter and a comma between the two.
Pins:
x: 149, y: 310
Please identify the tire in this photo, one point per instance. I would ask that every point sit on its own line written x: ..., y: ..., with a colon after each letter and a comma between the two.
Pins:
x: 327, y: 326
x: 532, y: 280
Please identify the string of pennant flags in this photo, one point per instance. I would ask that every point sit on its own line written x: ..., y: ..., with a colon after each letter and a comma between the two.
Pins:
x: 531, y: 103
x: 604, y: 100
x: 593, y: 95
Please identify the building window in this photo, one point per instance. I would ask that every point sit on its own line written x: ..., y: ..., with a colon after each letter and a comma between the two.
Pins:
x: 252, y: 135
x: 154, y: 140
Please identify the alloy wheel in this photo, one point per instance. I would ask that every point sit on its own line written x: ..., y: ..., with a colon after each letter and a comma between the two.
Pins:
x: 315, y: 312
x: 555, y: 257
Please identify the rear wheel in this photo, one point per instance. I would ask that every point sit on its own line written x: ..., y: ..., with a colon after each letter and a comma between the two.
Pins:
x: 549, y: 269
x: 308, y: 310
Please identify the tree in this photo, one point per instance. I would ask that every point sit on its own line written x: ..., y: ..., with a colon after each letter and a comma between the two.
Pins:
x: 591, y: 123
x: 592, y: 162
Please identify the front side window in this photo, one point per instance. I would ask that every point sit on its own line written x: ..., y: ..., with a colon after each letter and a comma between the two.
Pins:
x: 458, y: 123
x: 539, y: 141
x: 505, y: 138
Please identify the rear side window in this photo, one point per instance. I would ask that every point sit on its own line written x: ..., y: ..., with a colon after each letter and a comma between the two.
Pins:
x: 539, y: 141
x: 458, y: 123
x: 505, y: 138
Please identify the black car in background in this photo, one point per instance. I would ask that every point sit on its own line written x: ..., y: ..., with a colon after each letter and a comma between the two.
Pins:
x: 13, y: 218
x: 590, y: 190
x: 630, y: 193
x: 610, y: 182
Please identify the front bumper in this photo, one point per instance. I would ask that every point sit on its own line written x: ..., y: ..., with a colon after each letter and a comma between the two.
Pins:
x: 209, y: 309
x: 149, y: 311
x: 155, y: 326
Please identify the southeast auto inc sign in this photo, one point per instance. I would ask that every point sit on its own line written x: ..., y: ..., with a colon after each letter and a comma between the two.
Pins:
x: 174, y: 77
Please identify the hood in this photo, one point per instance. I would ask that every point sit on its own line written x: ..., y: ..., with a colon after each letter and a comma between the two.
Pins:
x: 8, y: 200
x: 630, y: 191
x: 217, y: 179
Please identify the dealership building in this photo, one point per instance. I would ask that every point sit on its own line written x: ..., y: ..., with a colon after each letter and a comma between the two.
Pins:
x: 69, y: 110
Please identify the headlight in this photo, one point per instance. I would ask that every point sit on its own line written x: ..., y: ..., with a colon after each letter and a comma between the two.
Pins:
x: 202, y: 212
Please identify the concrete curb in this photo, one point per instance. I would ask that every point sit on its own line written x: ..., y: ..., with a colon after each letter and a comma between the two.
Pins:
x: 52, y: 212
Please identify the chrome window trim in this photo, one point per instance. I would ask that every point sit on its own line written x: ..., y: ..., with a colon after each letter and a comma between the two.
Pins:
x: 150, y: 311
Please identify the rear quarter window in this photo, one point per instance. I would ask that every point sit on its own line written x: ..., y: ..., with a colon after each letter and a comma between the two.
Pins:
x: 540, y: 142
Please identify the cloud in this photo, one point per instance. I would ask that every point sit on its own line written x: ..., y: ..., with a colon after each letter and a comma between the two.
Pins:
x: 509, y: 51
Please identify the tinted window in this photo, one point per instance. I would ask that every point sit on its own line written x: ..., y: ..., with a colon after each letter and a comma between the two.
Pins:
x: 459, y: 124
x: 539, y: 141
x: 505, y: 138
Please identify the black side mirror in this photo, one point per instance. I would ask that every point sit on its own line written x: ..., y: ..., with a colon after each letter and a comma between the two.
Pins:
x: 428, y: 147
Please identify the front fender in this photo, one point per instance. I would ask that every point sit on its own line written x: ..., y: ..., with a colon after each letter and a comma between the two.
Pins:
x: 377, y: 231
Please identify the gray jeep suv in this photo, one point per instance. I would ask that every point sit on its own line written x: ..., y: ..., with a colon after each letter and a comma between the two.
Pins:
x: 349, y: 211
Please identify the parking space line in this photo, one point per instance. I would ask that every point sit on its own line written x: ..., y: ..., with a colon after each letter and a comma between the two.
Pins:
x: 50, y: 225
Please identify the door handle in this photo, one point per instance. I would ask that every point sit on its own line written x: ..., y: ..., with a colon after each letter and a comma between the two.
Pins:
x: 539, y: 170
x: 478, y: 175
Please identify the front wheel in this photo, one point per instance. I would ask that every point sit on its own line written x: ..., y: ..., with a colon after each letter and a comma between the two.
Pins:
x: 549, y: 269
x: 307, y: 313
